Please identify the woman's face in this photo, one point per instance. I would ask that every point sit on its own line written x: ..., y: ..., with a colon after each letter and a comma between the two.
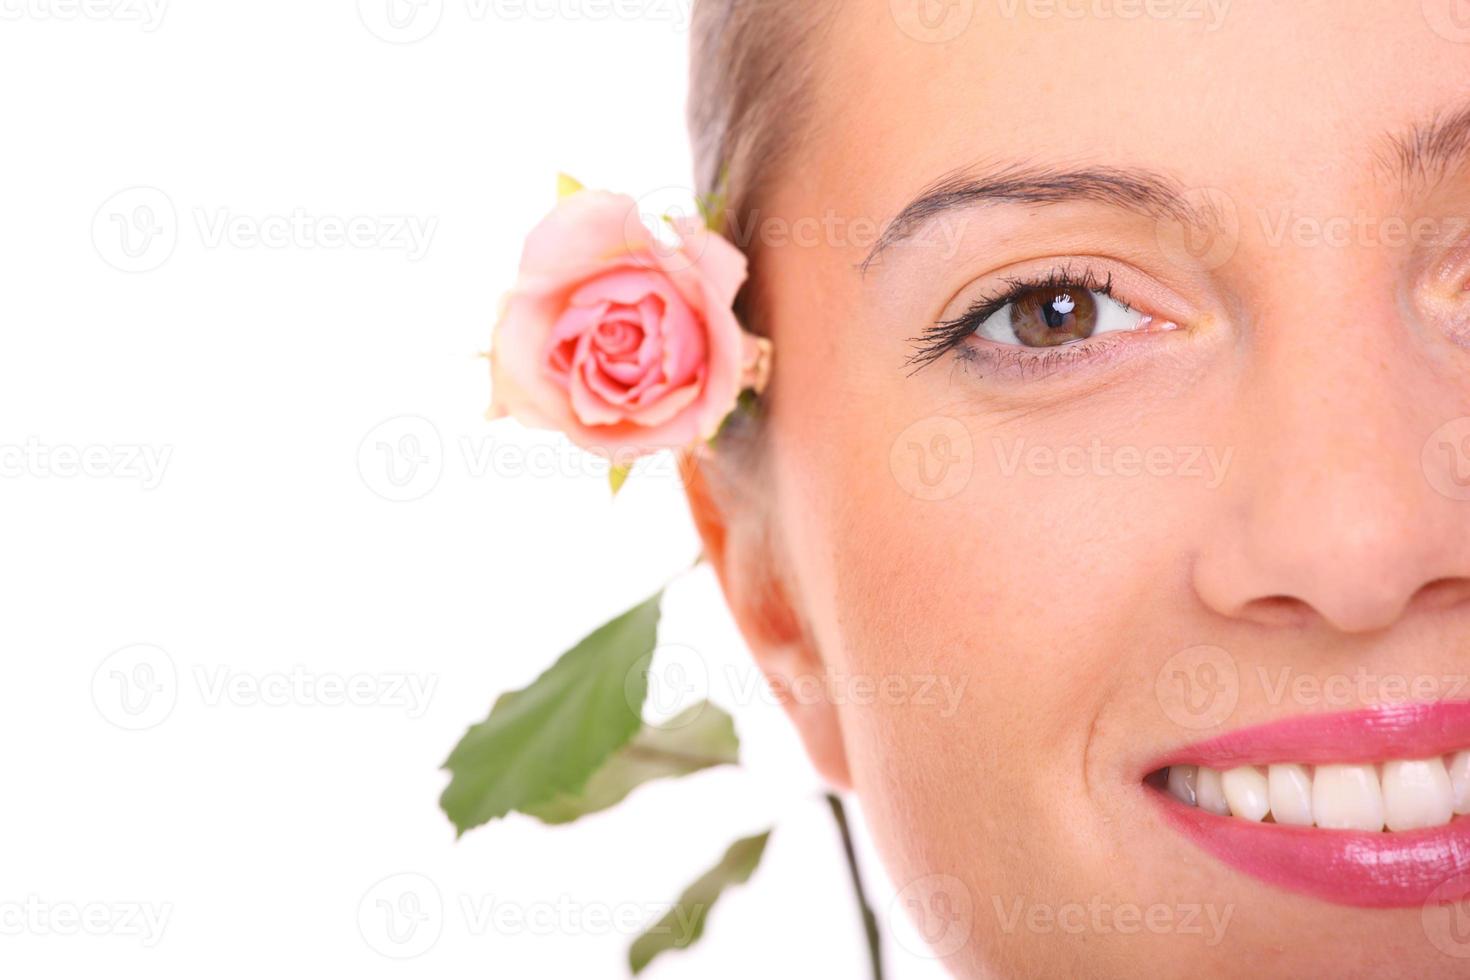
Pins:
x: 1069, y: 537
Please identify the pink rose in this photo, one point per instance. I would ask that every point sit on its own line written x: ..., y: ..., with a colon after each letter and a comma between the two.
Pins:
x: 625, y: 343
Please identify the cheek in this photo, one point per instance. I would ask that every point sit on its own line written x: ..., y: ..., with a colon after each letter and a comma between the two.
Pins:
x: 1008, y: 602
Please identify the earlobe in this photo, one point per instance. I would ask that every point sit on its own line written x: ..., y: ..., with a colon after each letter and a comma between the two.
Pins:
x: 737, y: 544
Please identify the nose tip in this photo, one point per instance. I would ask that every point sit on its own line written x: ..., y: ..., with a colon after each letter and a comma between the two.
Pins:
x: 1355, y: 583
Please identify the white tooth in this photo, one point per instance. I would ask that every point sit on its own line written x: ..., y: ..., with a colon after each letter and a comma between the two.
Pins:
x: 1347, y: 798
x: 1208, y: 792
x: 1459, y: 766
x: 1245, y: 791
x: 1416, y: 793
x: 1290, y: 795
x: 1181, y: 783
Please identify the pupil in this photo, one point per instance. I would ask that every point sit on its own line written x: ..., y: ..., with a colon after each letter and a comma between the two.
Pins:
x: 1058, y: 310
x: 1052, y: 316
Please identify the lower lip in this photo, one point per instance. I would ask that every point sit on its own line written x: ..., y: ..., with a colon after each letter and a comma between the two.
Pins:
x: 1368, y: 870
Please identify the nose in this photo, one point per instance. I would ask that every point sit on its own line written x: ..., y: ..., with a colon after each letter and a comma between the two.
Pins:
x: 1339, y: 507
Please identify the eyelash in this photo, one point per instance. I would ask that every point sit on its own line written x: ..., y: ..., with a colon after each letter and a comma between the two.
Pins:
x: 947, y: 335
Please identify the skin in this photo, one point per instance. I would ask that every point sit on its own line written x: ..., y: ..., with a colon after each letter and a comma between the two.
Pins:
x: 1321, y: 369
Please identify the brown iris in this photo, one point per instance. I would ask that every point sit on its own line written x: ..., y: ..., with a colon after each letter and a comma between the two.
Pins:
x: 1051, y: 316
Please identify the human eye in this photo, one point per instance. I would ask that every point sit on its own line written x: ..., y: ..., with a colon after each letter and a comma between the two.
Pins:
x: 1065, y: 307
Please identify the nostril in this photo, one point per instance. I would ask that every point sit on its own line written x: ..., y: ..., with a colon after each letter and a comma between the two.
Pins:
x: 1278, y: 610
x: 1441, y: 594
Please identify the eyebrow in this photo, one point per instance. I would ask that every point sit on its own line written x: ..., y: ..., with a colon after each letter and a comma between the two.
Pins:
x: 1424, y: 152
x: 1131, y: 189
x: 1431, y: 150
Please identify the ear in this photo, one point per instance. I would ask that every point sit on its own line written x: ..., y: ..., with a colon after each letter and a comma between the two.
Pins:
x: 737, y: 543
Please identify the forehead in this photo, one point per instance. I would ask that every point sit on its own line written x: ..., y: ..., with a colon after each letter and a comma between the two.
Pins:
x: 1266, y: 98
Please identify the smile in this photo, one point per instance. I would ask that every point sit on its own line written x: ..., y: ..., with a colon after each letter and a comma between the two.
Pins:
x: 1364, y: 808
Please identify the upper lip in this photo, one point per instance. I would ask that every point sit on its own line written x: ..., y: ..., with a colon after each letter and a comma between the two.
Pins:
x: 1416, y: 730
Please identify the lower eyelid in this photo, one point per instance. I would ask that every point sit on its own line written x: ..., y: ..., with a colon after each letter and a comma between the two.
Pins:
x: 1016, y: 363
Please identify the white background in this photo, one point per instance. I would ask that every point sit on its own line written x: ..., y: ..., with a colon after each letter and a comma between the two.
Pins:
x: 177, y: 176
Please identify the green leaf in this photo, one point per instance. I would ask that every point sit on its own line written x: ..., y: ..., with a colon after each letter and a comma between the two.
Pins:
x: 701, y: 737
x: 617, y: 476
x: 549, y: 738
x: 682, y: 926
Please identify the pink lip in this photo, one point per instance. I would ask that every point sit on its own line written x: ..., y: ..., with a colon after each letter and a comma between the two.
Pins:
x: 1369, y: 870
x: 1400, y: 731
